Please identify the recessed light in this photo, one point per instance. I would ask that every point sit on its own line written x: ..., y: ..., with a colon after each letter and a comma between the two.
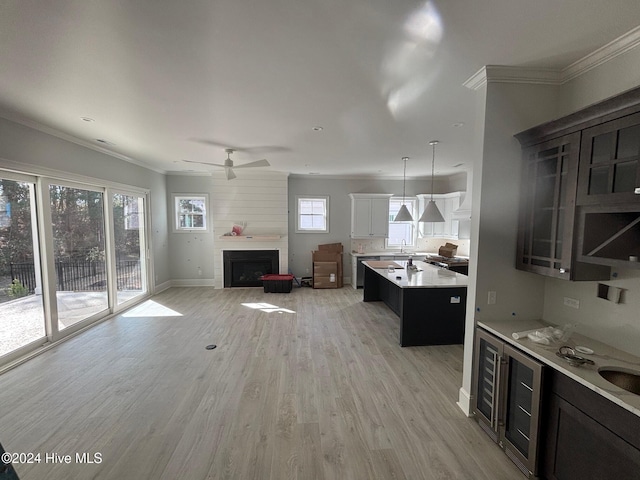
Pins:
x: 317, y: 128
x: 458, y: 124
x: 103, y: 141
x: 87, y: 119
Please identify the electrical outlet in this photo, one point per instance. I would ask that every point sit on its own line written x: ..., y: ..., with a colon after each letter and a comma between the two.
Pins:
x: 571, y: 302
x: 491, y: 298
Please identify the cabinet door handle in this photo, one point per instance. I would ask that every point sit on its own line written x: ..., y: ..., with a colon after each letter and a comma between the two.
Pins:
x: 502, y: 397
x: 494, y: 390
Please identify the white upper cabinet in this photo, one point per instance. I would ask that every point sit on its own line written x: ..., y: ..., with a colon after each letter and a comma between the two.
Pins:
x: 447, y: 203
x: 369, y: 215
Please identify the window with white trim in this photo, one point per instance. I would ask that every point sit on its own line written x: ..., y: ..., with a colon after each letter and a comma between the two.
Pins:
x: 190, y: 212
x: 312, y: 214
x: 399, y: 231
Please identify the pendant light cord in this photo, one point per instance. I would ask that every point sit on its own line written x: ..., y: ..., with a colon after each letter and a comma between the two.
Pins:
x: 433, y: 163
x: 404, y: 175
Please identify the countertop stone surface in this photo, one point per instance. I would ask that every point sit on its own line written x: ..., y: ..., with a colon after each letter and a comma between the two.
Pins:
x: 604, y: 356
x: 426, y: 276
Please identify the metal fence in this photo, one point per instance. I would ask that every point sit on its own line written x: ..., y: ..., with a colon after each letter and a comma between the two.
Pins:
x: 81, y: 275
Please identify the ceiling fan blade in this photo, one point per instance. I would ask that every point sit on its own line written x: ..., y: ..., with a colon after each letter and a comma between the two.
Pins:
x: 229, y: 172
x: 257, y: 163
x: 204, y: 163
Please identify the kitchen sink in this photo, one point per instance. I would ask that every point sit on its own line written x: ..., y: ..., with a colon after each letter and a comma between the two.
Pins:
x: 628, y: 380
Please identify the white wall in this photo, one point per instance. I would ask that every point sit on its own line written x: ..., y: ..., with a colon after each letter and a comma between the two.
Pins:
x: 508, y: 109
x: 258, y: 198
x: 32, y: 151
x: 191, y: 261
x: 302, y: 244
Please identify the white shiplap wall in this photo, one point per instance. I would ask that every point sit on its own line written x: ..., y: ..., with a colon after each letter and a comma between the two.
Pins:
x: 257, y: 198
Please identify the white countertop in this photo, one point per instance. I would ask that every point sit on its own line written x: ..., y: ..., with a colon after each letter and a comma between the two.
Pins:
x: 427, y: 276
x: 391, y: 254
x: 604, y: 356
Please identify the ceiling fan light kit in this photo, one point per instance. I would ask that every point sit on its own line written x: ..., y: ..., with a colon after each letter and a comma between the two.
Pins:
x: 431, y: 212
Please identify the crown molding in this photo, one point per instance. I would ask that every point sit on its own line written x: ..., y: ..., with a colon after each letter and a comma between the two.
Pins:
x: 611, y: 50
x: 70, y: 138
x: 549, y: 76
x: 509, y: 74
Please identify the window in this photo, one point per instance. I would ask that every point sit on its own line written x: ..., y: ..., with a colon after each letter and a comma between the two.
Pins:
x: 190, y: 212
x: 312, y: 214
x: 401, y: 230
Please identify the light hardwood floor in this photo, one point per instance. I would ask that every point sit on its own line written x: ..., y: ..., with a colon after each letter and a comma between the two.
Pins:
x: 324, y: 392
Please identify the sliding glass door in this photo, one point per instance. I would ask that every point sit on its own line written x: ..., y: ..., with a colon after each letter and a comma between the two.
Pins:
x: 78, y: 226
x: 128, y: 211
x: 70, y: 254
x: 22, y: 320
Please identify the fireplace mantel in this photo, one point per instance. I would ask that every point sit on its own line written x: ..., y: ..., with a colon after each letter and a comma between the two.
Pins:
x: 257, y: 238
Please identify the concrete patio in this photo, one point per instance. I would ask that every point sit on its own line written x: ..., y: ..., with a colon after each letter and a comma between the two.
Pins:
x: 22, y: 319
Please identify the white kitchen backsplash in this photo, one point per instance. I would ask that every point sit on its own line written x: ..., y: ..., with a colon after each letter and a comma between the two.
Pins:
x: 430, y: 245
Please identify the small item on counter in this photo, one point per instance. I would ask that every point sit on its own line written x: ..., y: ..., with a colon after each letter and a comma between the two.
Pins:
x: 548, y: 335
x: 585, y: 350
x: 520, y: 335
x: 410, y: 262
x: 398, y: 277
x: 568, y: 354
x: 360, y: 248
x: 391, y: 269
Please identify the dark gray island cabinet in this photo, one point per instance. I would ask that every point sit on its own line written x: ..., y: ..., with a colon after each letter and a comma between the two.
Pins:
x: 431, y: 302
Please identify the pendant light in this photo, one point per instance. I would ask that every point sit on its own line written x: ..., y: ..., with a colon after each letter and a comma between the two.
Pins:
x: 403, y: 214
x: 431, y: 212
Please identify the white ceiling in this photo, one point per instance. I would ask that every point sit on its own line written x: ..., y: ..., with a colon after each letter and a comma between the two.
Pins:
x: 162, y: 78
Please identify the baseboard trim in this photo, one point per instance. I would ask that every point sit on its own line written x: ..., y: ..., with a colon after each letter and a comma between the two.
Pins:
x: 194, y: 282
x: 464, y: 402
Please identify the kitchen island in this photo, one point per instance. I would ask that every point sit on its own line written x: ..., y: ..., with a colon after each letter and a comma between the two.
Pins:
x: 430, y: 301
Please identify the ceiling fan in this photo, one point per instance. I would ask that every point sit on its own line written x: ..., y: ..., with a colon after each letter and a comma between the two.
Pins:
x: 229, y: 166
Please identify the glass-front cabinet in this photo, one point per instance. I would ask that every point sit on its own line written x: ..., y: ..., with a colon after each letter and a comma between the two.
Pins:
x: 610, y: 163
x: 508, y: 392
x: 547, y: 208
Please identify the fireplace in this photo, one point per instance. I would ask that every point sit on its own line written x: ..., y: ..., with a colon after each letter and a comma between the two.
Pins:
x: 243, y: 268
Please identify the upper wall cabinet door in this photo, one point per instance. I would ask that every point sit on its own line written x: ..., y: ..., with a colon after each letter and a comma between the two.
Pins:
x: 610, y: 163
x: 369, y: 215
x: 548, y: 211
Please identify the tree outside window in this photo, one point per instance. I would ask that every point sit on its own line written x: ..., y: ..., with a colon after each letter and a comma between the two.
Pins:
x: 190, y: 212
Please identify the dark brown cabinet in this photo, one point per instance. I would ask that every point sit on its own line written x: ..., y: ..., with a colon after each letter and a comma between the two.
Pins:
x: 508, y: 389
x: 610, y: 163
x: 610, y: 235
x: 587, y: 436
x: 548, y: 211
x: 580, y: 204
